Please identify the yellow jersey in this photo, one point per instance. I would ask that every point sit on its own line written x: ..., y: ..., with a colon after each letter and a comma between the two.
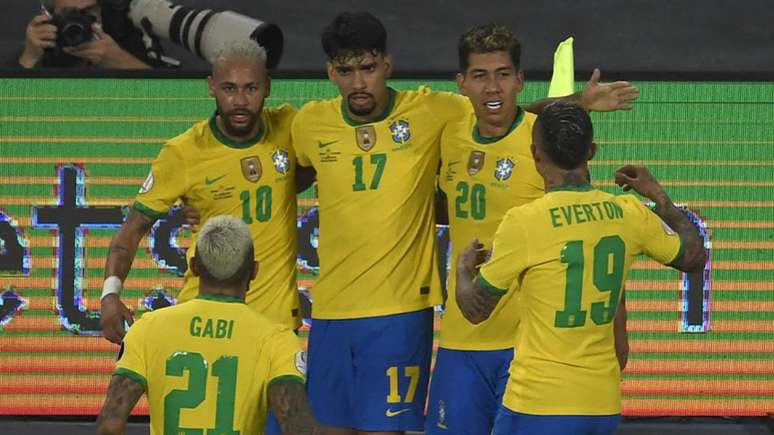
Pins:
x: 254, y: 181
x: 568, y: 255
x: 207, y: 365
x: 375, y: 191
x: 483, y: 178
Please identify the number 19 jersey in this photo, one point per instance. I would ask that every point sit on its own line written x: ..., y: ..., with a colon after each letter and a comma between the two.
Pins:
x: 207, y: 365
x: 568, y: 255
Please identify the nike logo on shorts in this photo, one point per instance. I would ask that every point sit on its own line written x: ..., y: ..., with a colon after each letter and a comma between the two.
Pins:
x: 391, y: 413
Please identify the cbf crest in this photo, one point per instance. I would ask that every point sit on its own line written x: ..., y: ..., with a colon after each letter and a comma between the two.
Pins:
x: 281, y: 162
x: 475, y: 162
x: 251, y: 168
x: 365, y: 137
x: 504, y: 169
x: 400, y: 130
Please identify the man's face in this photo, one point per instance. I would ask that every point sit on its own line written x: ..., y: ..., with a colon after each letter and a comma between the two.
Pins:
x: 491, y: 82
x: 89, y: 6
x: 362, y: 81
x: 240, y: 86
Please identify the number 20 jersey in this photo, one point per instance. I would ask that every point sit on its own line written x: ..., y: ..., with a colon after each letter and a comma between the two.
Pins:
x: 376, y: 183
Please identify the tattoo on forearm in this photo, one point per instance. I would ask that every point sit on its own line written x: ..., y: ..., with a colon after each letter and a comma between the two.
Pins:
x: 475, y: 303
x: 288, y: 401
x: 123, y: 393
x: 694, y: 255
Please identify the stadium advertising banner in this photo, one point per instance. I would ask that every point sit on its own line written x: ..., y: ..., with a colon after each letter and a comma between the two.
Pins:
x: 73, y: 154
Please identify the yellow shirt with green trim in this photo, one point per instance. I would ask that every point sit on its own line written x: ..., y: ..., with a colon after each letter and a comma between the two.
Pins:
x: 567, y: 254
x: 375, y: 190
x: 207, y: 364
x: 483, y: 178
x: 253, y: 181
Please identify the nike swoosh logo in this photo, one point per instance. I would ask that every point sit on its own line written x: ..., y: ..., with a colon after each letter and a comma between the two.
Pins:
x: 322, y: 144
x: 391, y: 413
x: 453, y: 162
x: 208, y: 181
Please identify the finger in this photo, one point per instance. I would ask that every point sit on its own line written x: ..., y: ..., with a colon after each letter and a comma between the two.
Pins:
x: 625, y: 106
x: 628, y: 93
x: 595, y: 77
x: 46, y: 28
x: 618, y: 85
x: 97, y: 28
x: 38, y: 19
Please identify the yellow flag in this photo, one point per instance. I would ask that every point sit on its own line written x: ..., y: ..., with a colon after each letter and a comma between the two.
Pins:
x: 563, y: 77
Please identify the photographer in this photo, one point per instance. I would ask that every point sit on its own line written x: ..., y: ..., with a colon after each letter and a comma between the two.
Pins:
x: 83, y: 42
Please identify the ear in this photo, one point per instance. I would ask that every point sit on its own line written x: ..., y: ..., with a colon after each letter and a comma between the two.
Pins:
x: 268, y: 86
x: 592, y: 150
x: 519, y: 81
x: 192, y: 266
x: 331, y: 72
x: 255, y: 271
x: 211, y: 84
x: 387, y: 65
x: 461, y: 83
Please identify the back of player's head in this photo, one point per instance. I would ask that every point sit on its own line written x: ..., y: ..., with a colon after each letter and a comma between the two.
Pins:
x: 243, y: 49
x: 565, y: 133
x: 224, y: 252
x: 354, y: 34
x: 488, y: 38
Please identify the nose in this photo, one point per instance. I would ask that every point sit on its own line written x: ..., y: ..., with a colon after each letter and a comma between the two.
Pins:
x: 492, y: 86
x: 358, y: 82
x: 240, y: 98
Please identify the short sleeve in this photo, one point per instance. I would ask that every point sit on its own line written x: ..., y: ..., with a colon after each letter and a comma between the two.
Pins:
x: 165, y: 184
x: 131, y: 359
x: 298, y: 139
x: 448, y: 106
x: 659, y: 241
x: 509, y: 255
x: 287, y: 361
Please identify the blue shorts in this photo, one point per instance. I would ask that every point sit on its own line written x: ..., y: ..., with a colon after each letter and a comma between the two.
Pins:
x: 371, y: 374
x: 515, y: 423
x: 466, y: 391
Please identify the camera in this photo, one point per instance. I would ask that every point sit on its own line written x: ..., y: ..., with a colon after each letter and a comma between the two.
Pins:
x: 73, y: 27
x: 203, y: 31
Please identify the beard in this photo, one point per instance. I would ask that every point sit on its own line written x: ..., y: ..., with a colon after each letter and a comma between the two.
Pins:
x: 361, y: 110
x: 241, y: 131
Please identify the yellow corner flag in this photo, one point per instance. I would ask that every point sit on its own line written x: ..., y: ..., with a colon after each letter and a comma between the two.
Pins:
x: 563, y: 77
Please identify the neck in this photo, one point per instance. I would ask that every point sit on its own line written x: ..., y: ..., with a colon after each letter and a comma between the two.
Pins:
x: 241, y: 138
x: 562, y: 177
x: 222, y: 291
x: 495, y: 128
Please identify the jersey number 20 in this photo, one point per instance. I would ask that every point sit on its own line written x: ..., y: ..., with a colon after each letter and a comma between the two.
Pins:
x: 608, y: 266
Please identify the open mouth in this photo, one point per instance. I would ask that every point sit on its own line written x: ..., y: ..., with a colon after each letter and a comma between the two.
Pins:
x: 360, y: 98
x: 494, y: 105
x: 240, y: 118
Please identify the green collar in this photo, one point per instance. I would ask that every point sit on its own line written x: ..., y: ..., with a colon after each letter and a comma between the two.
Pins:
x: 387, y: 110
x: 232, y: 143
x: 571, y: 187
x: 220, y: 298
x: 487, y: 140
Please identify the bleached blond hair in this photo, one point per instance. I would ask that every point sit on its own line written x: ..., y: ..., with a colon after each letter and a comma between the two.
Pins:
x: 242, y: 49
x: 223, y: 247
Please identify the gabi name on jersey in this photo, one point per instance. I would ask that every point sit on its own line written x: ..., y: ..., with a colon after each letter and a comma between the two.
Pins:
x: 211, y: 328
x: 583, y: 213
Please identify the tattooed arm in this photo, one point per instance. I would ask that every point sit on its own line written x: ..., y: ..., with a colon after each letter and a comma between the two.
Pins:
x: 475, y: 302
x: 121, y: 253
x: 123, y: 393
x: 287, y: 399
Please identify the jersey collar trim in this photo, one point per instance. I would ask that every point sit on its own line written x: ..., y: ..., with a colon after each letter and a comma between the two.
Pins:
x: 571, y: 187
x: 220, y: 298
x: 232, y: 143
x: 487, y: 140
x: 387, y: 110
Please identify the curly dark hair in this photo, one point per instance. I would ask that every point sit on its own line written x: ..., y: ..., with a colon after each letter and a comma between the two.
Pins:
x: 487, y: 38
x: 566, y: 133
x: 354, y: 34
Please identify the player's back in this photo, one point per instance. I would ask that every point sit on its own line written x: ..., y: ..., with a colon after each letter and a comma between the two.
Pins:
x: 578, y: 246
x: 375, y: 187
x: 207, y: 364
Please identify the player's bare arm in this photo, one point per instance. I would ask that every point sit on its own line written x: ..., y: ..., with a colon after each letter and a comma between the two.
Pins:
x: 620, y: 333
x: 121, y: 253
x: 288, y: 401
x: 305, y: 176
x: 475, y: 302
x: 123, y: 393
x: 641, y: 180
x: 596, y: 96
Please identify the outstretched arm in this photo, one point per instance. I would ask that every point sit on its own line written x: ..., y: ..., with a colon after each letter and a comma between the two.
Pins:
x: 288, y: 401
x: 123, y: 393
x: 596, y: 97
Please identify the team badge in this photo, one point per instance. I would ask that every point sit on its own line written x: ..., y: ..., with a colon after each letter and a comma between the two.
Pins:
x: 503, y: 169
x: 281, y: 162
x: 366, y: 137
x: 147, y: 185
x: 400, y: 131
x: 251, y: 168
x: 301, y: 362
x: 475, y: 162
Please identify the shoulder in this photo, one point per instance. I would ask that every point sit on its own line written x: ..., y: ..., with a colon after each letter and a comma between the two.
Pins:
x: 189, y: 138
x: 280, y: 115
x: 316, y: 109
